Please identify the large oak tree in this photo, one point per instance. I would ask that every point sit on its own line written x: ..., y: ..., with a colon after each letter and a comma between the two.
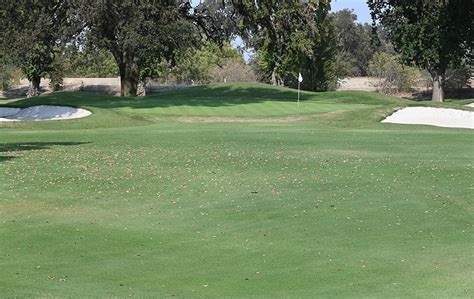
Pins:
x: 136, y: 32
x: 433, y: 35
x: 291, y: 37
x: 142, y: 33
x: 30, y: 30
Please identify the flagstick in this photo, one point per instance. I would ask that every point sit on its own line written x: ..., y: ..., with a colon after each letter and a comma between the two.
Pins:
x: 299, y: 83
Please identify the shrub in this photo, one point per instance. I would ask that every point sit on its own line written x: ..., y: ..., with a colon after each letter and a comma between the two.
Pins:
x: 56, y: 74
x: 392, y: 76
x: 4, y: 79
x: 233, y: 71
x: 9, y: 76
x: 457, y: 78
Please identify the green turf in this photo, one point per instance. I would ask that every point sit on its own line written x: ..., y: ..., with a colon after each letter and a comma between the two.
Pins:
x: 133, y: 202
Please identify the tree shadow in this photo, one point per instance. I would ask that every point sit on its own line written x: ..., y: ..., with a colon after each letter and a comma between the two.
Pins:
x: 206, y: 96
x: 102, y: 89
x: 15, y: 93
x: 18, y: 92
x: 452, y: 94
x: 217, y: 95
x: 9, y: 148
x: 5, y: 158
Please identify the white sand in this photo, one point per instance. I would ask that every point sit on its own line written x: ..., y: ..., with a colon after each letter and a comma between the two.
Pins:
x: 37, y: 113
x: 8, y: 111
x: 440, y: 117
x: 470, y: 105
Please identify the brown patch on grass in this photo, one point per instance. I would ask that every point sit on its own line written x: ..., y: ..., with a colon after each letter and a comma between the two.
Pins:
x: 220, y: 119
x: 358, y: 154
x: 8, y: 208
x: 40, y: 208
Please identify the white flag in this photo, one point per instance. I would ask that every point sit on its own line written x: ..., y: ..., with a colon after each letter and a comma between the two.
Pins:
x: 300, y: 78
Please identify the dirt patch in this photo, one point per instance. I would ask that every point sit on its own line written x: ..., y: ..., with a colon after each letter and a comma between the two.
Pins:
x: 220, y: 119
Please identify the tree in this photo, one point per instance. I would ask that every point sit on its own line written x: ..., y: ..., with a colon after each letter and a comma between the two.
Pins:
x: 198, y: 64
x: 318, y: 65
x: 141, y: 34
x: 391, y: 75
x: 136, y: 32
x: 290, y: 36
x: 30, y: 30
x: 233, y: 70
x: 224, y: 15
x: 85, y: 60
x: 354, y: 47
x: 433, y: 35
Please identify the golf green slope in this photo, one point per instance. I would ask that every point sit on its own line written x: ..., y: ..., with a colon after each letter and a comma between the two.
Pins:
x: 234, y: 191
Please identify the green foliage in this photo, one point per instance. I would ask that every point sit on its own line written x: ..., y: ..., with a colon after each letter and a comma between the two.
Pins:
x: 291, y: 37
x: 457, y: 78
x: 89, y: 62
x: 38, y: 61
x: 222, y: 15
x: 392, y: 76
x: 233, y: 70
x: 354, y: 45
x: 197, y: 65
x: 9, y: 76
x: 319, y: 67
x: 57, y: 73
x: 139, y: 34
x: 30, y: 30
x: 357, y: 44
x: 433, y: 35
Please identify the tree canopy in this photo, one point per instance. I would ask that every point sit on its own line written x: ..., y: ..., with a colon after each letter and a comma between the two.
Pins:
x: 30, y: 33
x: 355, y: 48
x: 137, y: 33
x: 433, y: 35
x: 291, y: 37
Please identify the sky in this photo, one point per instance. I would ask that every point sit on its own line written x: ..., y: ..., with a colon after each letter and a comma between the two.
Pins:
x: 359, y: 6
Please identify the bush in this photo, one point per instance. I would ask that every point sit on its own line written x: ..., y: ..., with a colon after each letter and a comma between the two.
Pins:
x: 57, y: 74
x: 392, y: 76
x: 4, y: 79
x: 233, y: 71
x: 457, y: 78
x: 9, y: 76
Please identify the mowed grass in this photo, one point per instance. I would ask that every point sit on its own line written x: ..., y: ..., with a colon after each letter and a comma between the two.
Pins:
x: 134, y: 202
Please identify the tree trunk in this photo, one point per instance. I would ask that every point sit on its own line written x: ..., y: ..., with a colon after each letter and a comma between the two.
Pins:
x: 141, y: 90
x: 128, y: 80
x: 274, y: 79
x: 129, y: 72
x: 34, y: 88
x: 438, y: 88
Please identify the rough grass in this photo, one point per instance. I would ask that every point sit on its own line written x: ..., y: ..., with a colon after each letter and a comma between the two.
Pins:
x: 132, y: 202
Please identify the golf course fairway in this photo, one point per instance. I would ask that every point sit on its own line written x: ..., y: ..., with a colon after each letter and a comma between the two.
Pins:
x: 233, y: 191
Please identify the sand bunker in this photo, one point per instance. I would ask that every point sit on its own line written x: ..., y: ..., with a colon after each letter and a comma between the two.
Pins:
x: 37, y: 113
x: 470, y: 105
x: 440, y: 117
x: 8, y: 111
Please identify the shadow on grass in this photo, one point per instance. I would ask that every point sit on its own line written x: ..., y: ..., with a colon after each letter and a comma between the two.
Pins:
x: 219, y: 95
x: 208, y: 96
x: 5, y: 158
x: 452, y: 94
x: 30, y: 146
